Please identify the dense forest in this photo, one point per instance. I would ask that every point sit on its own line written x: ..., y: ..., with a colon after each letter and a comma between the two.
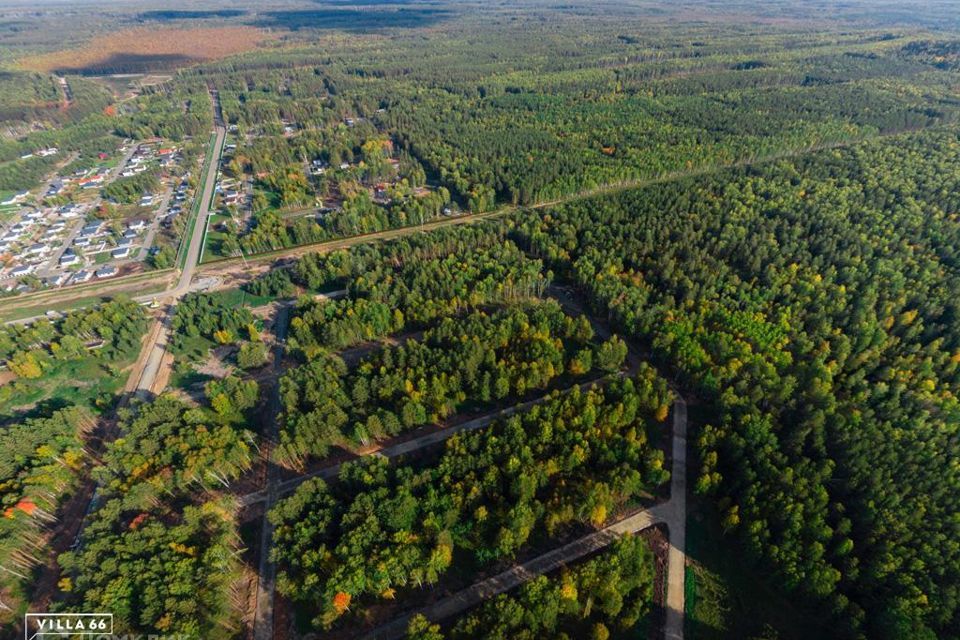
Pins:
x: 609, y: 592
x: 761, y: 199
x: 111, y: 328
x: 160, y: 549
x: 407, y: 285
x: 402, y: 134
x: 405, y: 129
x: 809, y: 303
x: 35, y: 106
x: 81, y: 118
x: 378, y: 530
x: 212, y: 317
x: 47, y: 417
x: 473, y: 360
x: 41, y: 463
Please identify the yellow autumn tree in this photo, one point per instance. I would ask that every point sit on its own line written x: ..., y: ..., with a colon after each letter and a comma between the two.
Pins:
x: 25, y: 365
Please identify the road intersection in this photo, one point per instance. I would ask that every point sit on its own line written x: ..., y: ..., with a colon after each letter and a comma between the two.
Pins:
x: 671, y: 514
x: 148, y: 376
x: 144, y: 379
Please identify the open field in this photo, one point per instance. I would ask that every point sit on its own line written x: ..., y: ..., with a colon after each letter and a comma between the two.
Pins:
x: 142, y: 50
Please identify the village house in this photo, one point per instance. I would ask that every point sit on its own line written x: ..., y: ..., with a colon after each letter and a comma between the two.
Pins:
x: 107, y: 271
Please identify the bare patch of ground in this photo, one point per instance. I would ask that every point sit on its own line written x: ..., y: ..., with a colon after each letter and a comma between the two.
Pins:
x: 216, y: 364
x: 163, y: 374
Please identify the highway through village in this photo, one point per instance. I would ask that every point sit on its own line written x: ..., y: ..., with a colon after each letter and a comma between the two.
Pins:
x: 194, y: 242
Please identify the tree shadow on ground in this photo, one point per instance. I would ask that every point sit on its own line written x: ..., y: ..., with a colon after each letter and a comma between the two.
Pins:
x: 43, y: 409
x: 164, y: 15
x: 130, y: 63
x: 351, y: 19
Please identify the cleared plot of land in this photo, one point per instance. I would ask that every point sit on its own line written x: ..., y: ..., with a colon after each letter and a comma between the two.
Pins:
x: 145, y: 50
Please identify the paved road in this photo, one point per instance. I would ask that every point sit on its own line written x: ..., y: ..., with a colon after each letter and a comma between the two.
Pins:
x: 200, y: 284
x: 52, y: 266
x: 672, y: 513
x: 69, y: 530
x: 136, y: 372
x: 158, y: 345
x: 236, y: 265
x: 516, y: 576
x: 205, y: 195
x: 240, y: 265
x: 194, y: 241
x: 54, y: 176
x: 145, y: 369
x: 158, y: 212
x: 157, y: 348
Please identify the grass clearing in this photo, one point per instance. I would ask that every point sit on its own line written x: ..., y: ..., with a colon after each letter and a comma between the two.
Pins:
x: 72, y: 382
x: 187, y: 378
x: 193, y: 348
x: 213, y: 244
x: 240, y: 298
